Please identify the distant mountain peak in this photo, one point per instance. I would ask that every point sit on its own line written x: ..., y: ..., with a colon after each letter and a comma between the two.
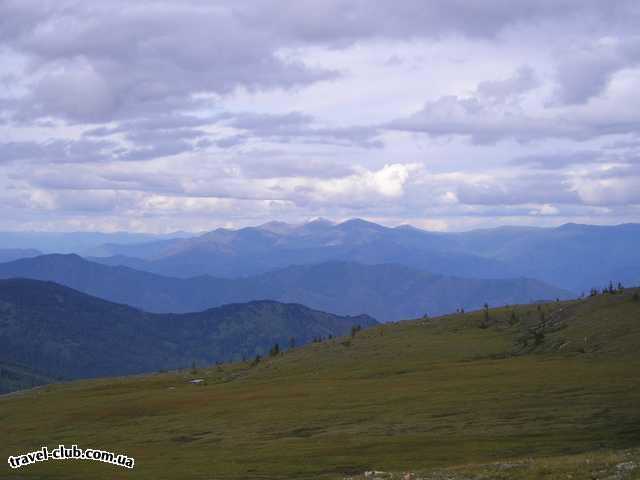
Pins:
x: 277, y: 227
x: 319, y: 221
x: 57, y: 257
x: 359, y: 222
x: 406, y: 226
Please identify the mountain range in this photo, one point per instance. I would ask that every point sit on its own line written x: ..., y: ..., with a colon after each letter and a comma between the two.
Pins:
x: 60, y: 332
x: 9, y: 254
x: 573, y: 257
x: 77, y: 242
x: 388, y: 292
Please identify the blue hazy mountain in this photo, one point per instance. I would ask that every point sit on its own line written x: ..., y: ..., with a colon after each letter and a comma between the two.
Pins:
x: 9, y: 254
x: 574, y: 257
x: 254, y: 250
x: 60, y: 332
x: 386, y: 292
x: 90, y: 243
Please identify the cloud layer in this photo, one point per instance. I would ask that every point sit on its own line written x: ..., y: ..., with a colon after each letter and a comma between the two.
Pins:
x: 191, y: 114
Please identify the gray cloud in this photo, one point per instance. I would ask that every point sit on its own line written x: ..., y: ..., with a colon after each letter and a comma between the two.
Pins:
x: 282, y: 164
x: 524, y: 189
x: 584, y: 72
x: 339, y: 22
x: 521, y: 82
x: 164, y: 53
x: 296, y: 126
x: 57, y: 151
x: 486, y: 122
x: 558, y: 160
x: 160, y: 57
x: 483, y: 122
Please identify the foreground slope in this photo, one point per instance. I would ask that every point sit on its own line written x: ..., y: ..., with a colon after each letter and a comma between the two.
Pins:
x: 533, y: 384
x: 64, y: 333
x: 387, y: 292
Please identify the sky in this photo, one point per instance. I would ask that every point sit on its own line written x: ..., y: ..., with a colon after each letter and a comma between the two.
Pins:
x: 157, y: 116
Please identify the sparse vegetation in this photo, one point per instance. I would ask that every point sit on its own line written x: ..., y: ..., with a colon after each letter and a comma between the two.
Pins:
x: 354, y: 330
x: 486, y: 318
x: 256, y: 360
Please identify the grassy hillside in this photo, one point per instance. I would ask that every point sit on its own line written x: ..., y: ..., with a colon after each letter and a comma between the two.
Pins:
x: 540, y: 391
x: 65, y: 333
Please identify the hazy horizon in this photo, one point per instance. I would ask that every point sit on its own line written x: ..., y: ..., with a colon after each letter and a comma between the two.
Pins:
x: 302, y: 222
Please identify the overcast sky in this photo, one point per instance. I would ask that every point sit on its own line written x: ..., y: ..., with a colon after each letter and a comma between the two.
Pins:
x: 188, y: 115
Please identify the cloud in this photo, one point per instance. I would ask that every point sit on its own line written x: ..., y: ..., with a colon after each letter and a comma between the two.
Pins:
x: 162, y: 55
x: 558, y: 160
x: 518, y: 190
x: 339, y: 22
x: 295, y: 126
x: 609, y: 191
x: 584, y: 72
x: 165, y: 54
x: 57, y: 151
x: 282, y: 163
x: 486, y: 121
x: 388, y: 182
x: 482, y: 121
x: 523, y: 80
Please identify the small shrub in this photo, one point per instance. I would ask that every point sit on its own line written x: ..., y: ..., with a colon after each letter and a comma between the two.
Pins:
x: 486, y: 318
